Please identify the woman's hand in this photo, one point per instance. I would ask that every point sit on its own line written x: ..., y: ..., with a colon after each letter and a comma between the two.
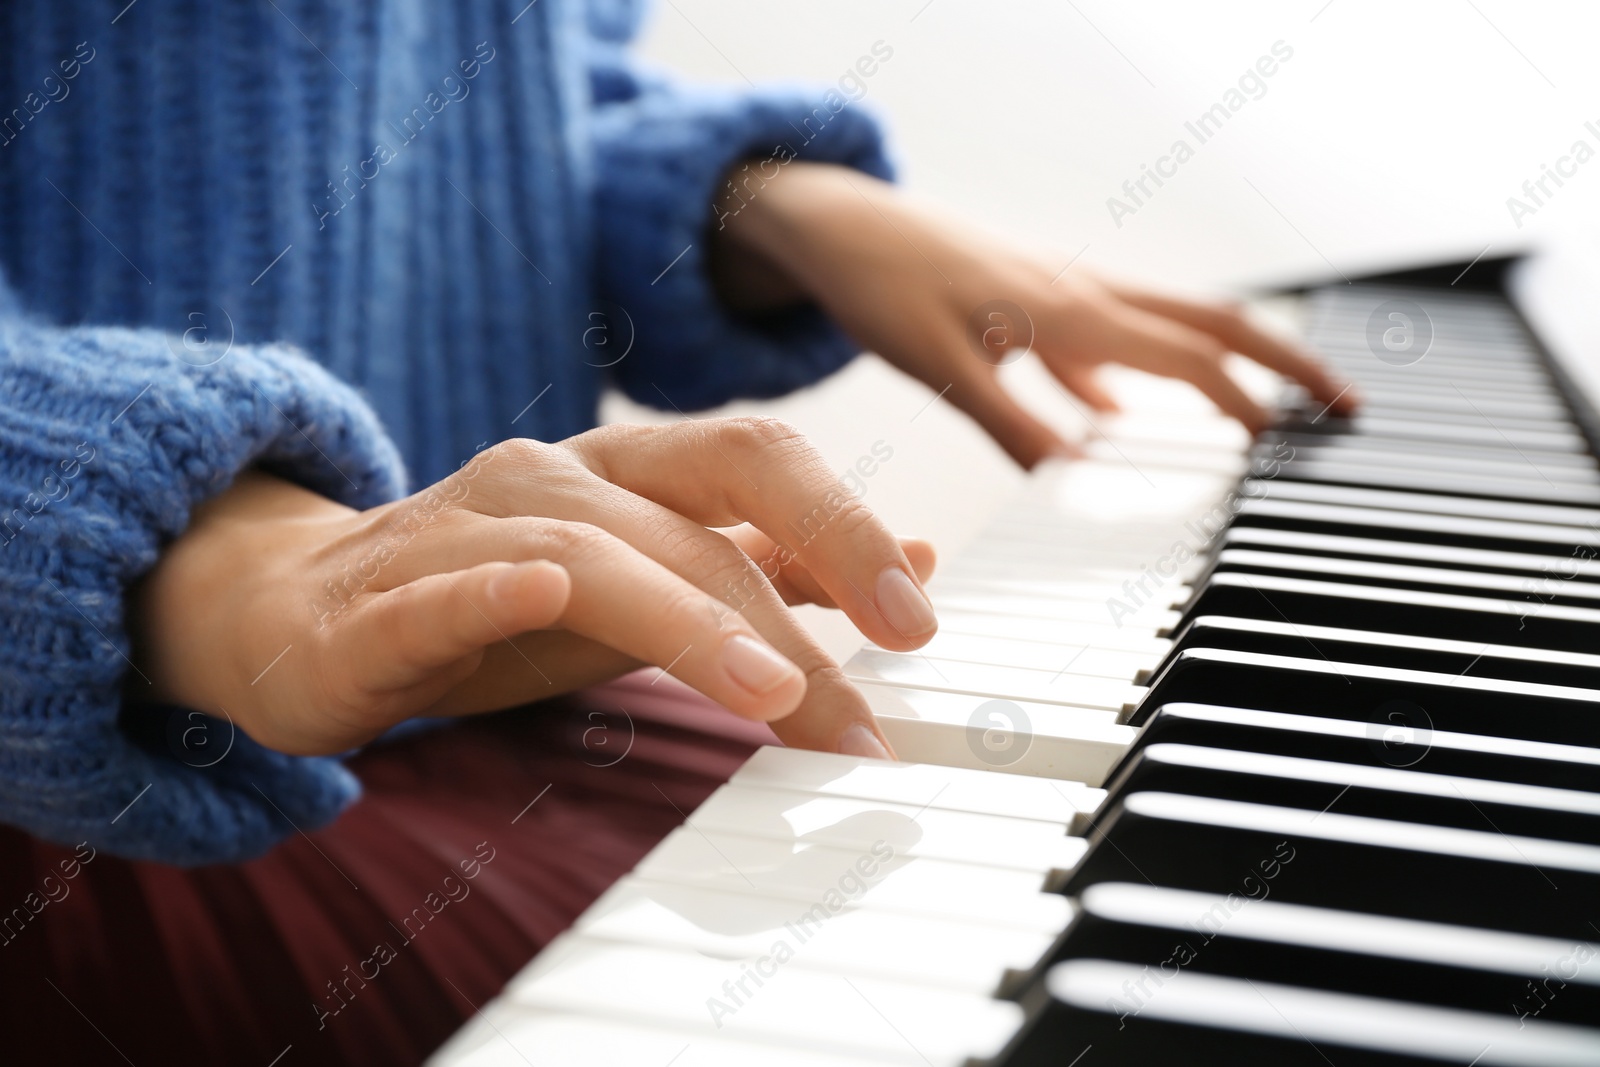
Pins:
x: 534, y: 570
x: 941, y: 303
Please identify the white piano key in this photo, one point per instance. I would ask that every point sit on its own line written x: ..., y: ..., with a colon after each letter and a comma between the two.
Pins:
x: 919, y: 785
x: 1048, y: 589
x: 1057, y: 553
x: 1050, y: 631
x: 1062, y: 562
x: 915, y: 885
x: 1051, y: 541
x: 891, y: 829
x: 829, y: 934
x: 1119, y: 527
x: 508, y: 1035
x: 1052, y: 661
x: 1153, y: 428
x: 962, y: 730
x: 1211, y: 459
x: 1151, y: 612
x: 764, y: 1000
x: 1105, y: 644
x: 1032, y: 545
x: 1000, y: 683
x: 1040, y: 533
x: 1117, y: 492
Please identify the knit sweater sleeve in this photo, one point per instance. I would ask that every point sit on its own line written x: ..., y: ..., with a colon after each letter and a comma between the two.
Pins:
x: 108, y: 440
x: 662, y: 155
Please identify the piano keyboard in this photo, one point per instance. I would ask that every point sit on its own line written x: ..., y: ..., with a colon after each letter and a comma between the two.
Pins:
x: 1284, y: 751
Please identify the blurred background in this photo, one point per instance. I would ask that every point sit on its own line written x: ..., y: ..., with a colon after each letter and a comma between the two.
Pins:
x: 1393, y: 134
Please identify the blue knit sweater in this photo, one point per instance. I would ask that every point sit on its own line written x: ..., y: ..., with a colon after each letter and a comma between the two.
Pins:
x: 227, y: 228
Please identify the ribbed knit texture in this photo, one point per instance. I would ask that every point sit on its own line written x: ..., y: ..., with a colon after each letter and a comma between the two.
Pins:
x: 216, y: 181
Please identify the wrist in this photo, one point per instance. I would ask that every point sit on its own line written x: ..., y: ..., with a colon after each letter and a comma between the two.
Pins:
x: 200, y: 617
x: 772, y: 235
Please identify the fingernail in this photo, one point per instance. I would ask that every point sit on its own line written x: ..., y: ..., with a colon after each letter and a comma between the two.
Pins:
x: 503, y: 586
x: 903, y: 604
x: 754, y: 665
x: 857, y: 740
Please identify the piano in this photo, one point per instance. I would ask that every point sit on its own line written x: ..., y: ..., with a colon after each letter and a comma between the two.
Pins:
x: 1228, y: 751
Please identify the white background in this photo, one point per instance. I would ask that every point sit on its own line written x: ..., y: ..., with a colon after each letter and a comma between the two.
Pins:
x: 1394, y: 135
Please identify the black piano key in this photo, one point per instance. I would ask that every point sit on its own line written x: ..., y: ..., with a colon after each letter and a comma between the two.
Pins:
x: 1408, y: 739
x: 1356, y: 863
x: 1542, y: 568
x: 1385, y: 384
x: 1455, y: 408
x: 1314, y: 686
x: 1361, y: 607
x: 1102, y: 1013
x: 1443, y: 363
x: 1465, y: 423
x: 1379, y: 649
x: 1506, y: 488
x: 1370, y: 455
x: 1423, y: 454
x: 1549, y: 409
x: 1466, y: 532
x: 1407, y: 794
x: 1461, y: 377
x: 1178, y: 932
x: 1362, y: 425
x: 1558, y: 589
x: 1425, y: 503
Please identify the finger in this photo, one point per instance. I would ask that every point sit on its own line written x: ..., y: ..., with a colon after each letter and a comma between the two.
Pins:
x: 697, y: 638
x: 794, y: 583
x: 1084, y: 384
x: 525, y: 476
x: 1231, y: 325
x: 924, y: 558
x: 727, y: 471
x: 1014, y: 428
x: 623, y: 598
x: 435, y: 628
x: 827, y: 712
x: 535, y: 665
x: 1159, y: 345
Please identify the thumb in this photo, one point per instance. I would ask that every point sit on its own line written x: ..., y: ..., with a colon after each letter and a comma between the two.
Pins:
x: 420, y: 632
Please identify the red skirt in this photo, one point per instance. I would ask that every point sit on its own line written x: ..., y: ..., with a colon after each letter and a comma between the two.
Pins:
x: 372, y: 940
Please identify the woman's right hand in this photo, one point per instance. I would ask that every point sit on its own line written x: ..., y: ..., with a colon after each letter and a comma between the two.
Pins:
x: 534, y: 570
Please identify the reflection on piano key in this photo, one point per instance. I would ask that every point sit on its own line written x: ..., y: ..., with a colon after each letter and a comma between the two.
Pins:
x: 796, y: 871
x: 966, y: 730
x: 762, y: 1000
x: 903, y: 829
x: 947, y: 788
x: 1243, y: 1021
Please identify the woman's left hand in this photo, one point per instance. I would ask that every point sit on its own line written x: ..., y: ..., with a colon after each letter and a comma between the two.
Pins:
x: 948, y: 305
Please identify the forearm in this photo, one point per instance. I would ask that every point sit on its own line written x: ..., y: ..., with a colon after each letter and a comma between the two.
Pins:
x: 759, y: 243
